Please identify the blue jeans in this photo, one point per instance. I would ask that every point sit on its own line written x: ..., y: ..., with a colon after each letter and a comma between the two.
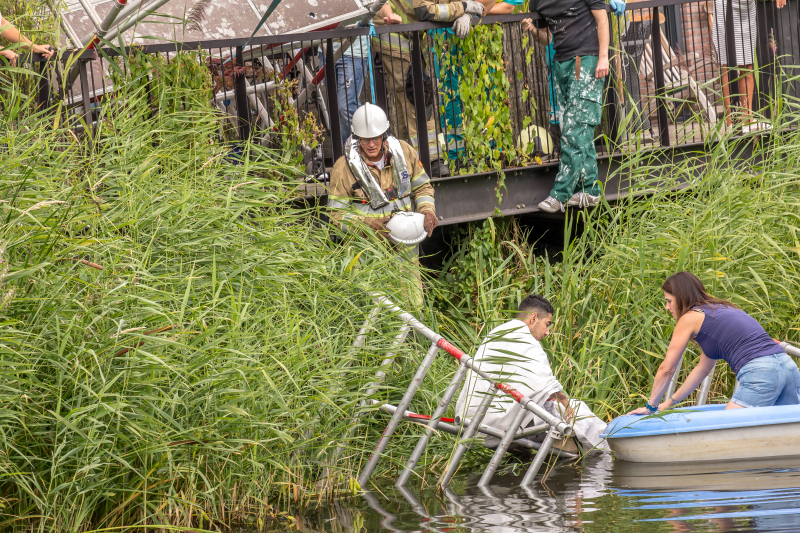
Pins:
x: 768, y: 380
x: 349, y: 82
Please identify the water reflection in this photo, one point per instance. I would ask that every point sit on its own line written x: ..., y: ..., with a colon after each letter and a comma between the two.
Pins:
x: 595, y: 495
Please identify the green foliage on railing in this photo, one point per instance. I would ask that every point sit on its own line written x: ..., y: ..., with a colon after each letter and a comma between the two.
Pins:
x: 294, y: 134
x: 180, y: 83
x: 482, y: 88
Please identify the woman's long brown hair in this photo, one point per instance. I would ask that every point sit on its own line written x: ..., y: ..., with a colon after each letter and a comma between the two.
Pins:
x: 689, y: 292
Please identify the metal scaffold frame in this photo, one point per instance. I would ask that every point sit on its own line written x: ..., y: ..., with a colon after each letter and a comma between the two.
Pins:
x: 555, y: 428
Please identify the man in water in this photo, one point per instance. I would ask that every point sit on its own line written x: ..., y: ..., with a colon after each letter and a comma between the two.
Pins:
x: 512, y: 354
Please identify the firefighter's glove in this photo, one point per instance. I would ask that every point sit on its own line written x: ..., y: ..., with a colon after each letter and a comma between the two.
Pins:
x: 430, y: 222
x: 618, y: 7
x: 471, y: 7
x: 378, y: 225
x: 462, y: 26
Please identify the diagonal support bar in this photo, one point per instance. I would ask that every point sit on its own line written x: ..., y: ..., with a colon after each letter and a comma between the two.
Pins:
x: 469, y: 433
x: 398, y: 415
x: 538, y: 461
x: 501, y: 450
x: 422, y: 443
x: 88, y: 8
x: 111, y: 17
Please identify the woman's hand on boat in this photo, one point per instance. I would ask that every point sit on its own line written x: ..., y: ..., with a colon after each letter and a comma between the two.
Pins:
x: 668, y: 404
x: 663, y: 406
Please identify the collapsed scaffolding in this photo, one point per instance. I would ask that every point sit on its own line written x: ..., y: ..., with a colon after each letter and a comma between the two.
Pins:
x: 466, y: 429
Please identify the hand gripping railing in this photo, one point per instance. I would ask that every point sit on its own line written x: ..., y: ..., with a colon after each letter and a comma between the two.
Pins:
x: 557, y: 427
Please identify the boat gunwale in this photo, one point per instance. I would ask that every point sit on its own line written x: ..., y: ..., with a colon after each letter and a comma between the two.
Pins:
x: 628, y: 431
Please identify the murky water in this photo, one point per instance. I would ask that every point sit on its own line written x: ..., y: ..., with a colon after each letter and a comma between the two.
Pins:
x: 598, y: 494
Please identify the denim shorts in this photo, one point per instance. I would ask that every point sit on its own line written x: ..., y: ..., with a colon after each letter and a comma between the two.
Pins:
x: 768, y: 380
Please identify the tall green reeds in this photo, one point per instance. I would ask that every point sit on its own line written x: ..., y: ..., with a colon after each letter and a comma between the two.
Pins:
x: 175, y: 344
x: 735, y: 224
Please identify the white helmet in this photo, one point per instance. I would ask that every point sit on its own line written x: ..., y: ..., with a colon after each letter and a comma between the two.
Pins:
x: 369, y: 121
x: 407, y: 227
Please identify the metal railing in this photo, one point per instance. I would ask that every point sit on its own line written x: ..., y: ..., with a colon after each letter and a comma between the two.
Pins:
x: 665, y: 89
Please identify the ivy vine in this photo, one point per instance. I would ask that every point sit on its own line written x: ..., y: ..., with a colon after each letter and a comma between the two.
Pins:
x: 474, y: 101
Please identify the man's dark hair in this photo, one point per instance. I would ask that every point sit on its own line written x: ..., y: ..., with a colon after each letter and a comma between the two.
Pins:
x: 534, y: 304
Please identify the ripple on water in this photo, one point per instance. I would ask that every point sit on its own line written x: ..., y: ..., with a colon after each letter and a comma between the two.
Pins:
x: 596, y: 495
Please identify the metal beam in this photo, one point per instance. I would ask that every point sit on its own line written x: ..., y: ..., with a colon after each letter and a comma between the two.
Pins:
x: 469, y: 198
x: 472, y: 197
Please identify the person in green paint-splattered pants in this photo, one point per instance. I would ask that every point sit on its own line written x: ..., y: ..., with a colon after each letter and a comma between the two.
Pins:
x: 579, y: 102
x: 578, y: 30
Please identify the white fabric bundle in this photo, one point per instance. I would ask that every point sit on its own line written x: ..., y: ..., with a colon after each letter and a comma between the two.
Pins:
x: 512, y: 356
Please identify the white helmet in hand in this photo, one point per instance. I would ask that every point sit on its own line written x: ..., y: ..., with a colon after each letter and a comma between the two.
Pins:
x: 369, y: 121
x: 407, y: 227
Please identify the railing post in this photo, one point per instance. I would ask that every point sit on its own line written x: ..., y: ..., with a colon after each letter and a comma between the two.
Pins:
x: 468, y: 434
x: 43, y: 92
x: 87, y: 98
x: 673, y: 383
x: 502, y: 448
x: 380, y: 84
x: 333, y: 100
x: 541, y: 455
x: 419, y: 103
x: 730, y: 53
x: 661, y: 91
x: 240, y: 92
x: 705, y: 388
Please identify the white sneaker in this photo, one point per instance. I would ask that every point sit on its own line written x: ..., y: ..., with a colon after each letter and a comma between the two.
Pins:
x: 583, y: 199
x: 551, y: 205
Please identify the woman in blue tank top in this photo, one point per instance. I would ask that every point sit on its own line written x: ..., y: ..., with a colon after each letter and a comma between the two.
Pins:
x: 766, y: 375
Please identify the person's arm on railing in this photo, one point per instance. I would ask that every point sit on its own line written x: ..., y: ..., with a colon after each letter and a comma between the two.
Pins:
x: 430, y: 11
x: 8, y: 31
x: 601, y: 16
x: 541, y: 34
x: 389, y: 16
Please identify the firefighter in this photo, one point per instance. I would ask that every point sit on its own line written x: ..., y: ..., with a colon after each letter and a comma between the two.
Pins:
x: 395, y: 52
x: 378, y: 177
x: 380, y: 181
